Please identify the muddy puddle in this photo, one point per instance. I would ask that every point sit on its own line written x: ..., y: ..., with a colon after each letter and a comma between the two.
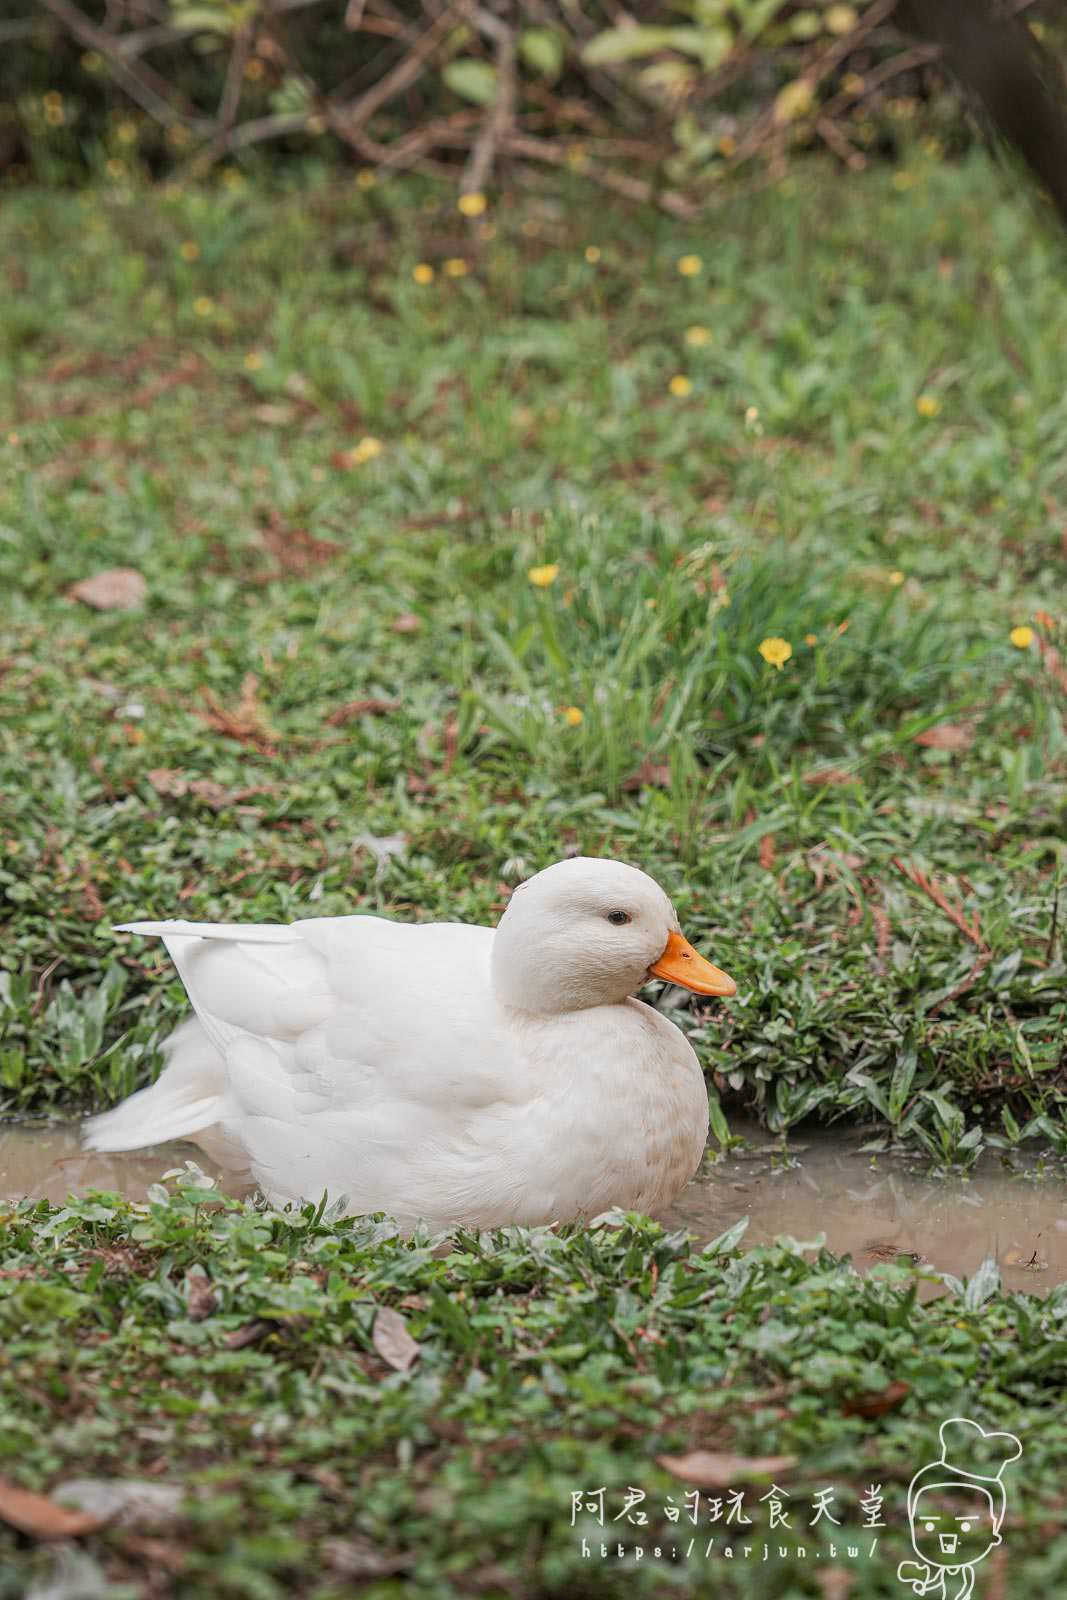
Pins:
x: 878, y: 1208
x: 886, y: 1208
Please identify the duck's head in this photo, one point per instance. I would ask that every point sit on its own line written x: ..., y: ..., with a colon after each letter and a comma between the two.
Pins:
x: 589, y: 932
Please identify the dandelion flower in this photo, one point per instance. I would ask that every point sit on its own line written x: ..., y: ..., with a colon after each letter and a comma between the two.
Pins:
x: 423, y: 273
x: 455, y: 267
x: 680, y: 386
x: 592, y: 254
x: 203, y: 305
x: 572, y: 716
x: 188, y: 249
x: 776, y: 652
x: 928, y: 405
x: 697, y: 335
x: 896, y: 578
x: 541, y: 577
x: 253, y: 361
x: 365, y: 450
x: 1022, y: 638
x: 472, y: 205
x: 689, y: 266
x: 811, y: 639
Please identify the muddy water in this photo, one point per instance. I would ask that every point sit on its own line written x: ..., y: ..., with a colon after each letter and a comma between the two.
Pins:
x: 882, y: 1208
x: 872, y: 1208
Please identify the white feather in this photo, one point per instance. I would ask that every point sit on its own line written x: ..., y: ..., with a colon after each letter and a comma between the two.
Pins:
x: 440, y: 1071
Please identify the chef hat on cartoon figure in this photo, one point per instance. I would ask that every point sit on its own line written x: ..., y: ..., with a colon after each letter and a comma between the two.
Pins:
x: 969, y: 1457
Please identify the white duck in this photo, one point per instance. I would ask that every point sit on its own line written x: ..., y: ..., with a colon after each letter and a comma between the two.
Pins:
x: 440, y: 1072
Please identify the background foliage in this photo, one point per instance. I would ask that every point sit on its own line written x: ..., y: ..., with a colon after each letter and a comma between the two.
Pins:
x: 657, y: 102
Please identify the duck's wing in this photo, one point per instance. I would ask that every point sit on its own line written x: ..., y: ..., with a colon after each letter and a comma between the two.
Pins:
x: 345, y: 1041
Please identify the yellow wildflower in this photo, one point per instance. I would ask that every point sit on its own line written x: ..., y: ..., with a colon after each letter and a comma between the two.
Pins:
x: 423, y: 273
x: 365, y: 450
x: 689, y: 266
x: 188, y: 249
x: 776, y: 652
x: 811, y: 638
x: 680, y: 386
x: 253, y: 361
x: 472, y: 205
x: 698, y: 335
x: 1022, y: 638
x: 455, y: 267
x: 592, y: 254
x: 541, y: 577
x: 572, y: 716
x: 896, y: 578
x: 203, y: 305
x: 928, y: 405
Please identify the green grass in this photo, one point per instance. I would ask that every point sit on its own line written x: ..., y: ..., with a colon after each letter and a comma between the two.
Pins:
x: 548, y: 1365
x: 525, y: 418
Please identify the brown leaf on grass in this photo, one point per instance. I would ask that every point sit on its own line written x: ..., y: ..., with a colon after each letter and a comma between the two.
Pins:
x: 352, y: 709
x: 824, y: 777
x: 955, y: 914
x: 878, y: 1402
x: 715, y: 1469
x: 947, y: 736
x: 201, y: 1301
x: 649, y: 775
x: 295, y: 549
x: 116, y: 589
x: 251, y: 1333
x: 42, y: 1518
x: 392, y: 1340
x: 247, y: 722
x: 767, y: 852
x: 171, y: 784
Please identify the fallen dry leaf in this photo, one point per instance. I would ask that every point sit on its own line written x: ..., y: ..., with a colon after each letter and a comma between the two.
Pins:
x: 117, y: 589
x: 42, y: 1518
x: 361, y: 708
x: 295, y: 549
x: 822, y: 777
x: 947, y: 736
x: 247, y: 722
x: 392, y: 1340
x: 767, y: 852
x: 649, y: 775
x: 878, y: 1403
x: 714, y: 1469
x: 202, y: 1301
x: 166, y: 781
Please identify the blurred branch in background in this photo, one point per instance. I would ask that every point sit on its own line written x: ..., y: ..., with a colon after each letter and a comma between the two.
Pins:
x: 659, y: 103
x: 988, y: 46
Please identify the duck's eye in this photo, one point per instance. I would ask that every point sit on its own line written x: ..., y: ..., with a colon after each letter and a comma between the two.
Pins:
x: 618, y: 918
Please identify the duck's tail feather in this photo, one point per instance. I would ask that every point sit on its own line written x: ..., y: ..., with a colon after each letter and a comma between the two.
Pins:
x: 188, y: 1097
x: 240, y: 932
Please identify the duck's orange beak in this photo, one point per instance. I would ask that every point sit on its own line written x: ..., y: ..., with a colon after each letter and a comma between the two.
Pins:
x: 680, y: 964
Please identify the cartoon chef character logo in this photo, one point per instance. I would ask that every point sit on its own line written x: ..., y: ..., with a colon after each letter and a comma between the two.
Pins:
x: 956, y: 1506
